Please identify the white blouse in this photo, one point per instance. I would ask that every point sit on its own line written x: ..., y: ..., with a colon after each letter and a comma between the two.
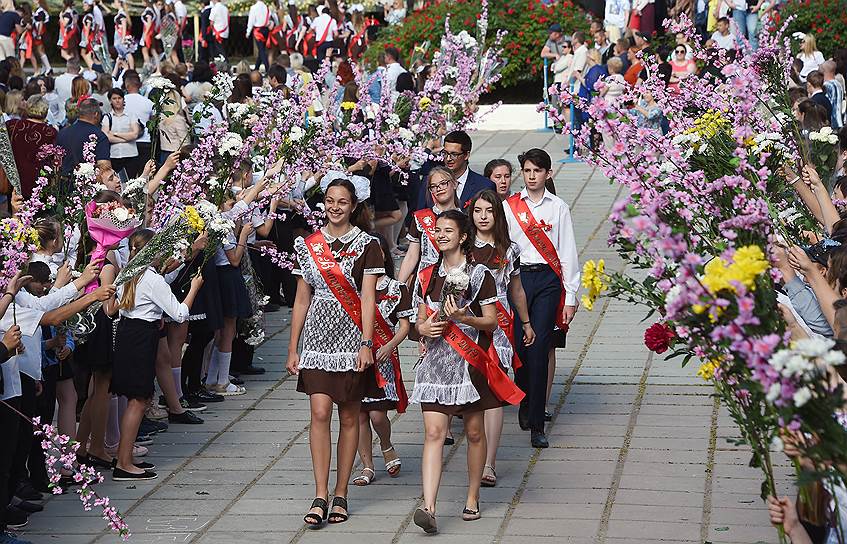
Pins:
x: 153, y: 297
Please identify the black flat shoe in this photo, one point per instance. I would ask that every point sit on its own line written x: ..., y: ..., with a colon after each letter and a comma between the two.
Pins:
x: 186, y: 418
x: 449, y: 441
x: 145, y: 466
x: 119, y: 475
x: 29, y: 507
x: 426, y: 521
x: 538, y: 440
x: 206, y: 397
x: 314, y: 519
x: 94, y: 461
x: 338, y: 517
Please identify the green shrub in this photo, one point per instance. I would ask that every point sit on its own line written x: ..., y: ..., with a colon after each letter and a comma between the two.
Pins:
x: 525, y: 20
x: 826, y: 19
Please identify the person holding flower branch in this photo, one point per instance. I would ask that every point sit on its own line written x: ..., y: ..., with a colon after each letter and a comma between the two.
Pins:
x: 456, y: 317
x: 142, y: 302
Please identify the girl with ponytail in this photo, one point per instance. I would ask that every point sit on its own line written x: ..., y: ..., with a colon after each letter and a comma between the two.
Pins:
x: 142, y: 302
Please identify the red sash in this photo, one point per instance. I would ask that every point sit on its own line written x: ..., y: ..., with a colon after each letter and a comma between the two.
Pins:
x: 383, y: 333
x: 273, y: 36
x: 542, y: 244
x: 355, y: 39
x: 257, y: 32
x: 507, y: 323
x: 338, y: 284
x: 322, y: 40
x: 499, y: 382
x: 426, y: 218
x: 219, y: 34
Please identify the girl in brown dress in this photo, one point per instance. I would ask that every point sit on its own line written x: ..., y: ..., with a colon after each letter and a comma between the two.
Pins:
x: 453, y: 292
x: 335, y: 363
x: 394, y: 303
x: 493, y: 248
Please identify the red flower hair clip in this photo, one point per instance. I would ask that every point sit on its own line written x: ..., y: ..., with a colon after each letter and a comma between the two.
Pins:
x: 388, y: 297
x: 347, y: 254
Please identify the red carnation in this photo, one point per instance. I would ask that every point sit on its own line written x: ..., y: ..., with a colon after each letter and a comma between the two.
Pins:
x: 658, y: 337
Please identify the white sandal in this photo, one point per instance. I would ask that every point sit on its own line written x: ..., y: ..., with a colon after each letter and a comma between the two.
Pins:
x: 363, y: 479
x: 392, y: 467
x: 228, y: 390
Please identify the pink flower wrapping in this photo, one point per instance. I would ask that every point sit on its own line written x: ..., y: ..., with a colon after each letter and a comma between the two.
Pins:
x: 106, y: 230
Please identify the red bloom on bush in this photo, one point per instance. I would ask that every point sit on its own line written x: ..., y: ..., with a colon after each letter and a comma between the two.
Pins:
x: 658, y: 337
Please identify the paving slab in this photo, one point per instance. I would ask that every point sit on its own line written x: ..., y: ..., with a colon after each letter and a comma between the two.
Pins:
x: 633, y: 456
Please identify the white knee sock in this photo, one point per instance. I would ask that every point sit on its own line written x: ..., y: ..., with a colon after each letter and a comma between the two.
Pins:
x: 177, y: 372
x: 46, y: 62
x: 214, y: 364
x: 223, y: 372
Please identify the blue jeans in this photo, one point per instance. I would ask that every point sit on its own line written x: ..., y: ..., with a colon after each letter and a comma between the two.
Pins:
x: 747, y: 24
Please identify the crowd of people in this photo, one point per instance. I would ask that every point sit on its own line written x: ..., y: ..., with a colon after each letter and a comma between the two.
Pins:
x: 597, y: 66
x: 170, y: 342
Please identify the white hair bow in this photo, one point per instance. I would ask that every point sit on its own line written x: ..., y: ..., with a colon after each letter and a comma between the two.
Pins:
x: 357, y: 7
x: 361, y: 184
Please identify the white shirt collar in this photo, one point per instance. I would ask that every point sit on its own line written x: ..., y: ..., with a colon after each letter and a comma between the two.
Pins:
x: 525, y: 195
x: 345, y: 238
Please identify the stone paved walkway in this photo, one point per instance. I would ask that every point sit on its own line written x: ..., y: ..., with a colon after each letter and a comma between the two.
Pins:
x: 638, y: 446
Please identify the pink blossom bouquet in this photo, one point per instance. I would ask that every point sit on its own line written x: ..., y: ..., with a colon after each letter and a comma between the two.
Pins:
x: 108, y: 224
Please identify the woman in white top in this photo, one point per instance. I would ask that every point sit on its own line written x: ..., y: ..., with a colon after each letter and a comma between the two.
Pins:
x: 142, y: 302
x: 562, y: 67
x: 122, y: 129
x: 811, y: 57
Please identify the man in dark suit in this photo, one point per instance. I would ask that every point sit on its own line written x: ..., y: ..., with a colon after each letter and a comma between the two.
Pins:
x: 456, y: 153
x: 814, y: 86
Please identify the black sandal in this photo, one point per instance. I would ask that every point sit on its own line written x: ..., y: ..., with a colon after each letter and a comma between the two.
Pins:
x: 338, y: 517
x: 313, y: 518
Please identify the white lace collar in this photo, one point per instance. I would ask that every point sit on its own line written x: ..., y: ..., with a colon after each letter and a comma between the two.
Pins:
x: 479, y: 243
x: 442, y: 269
x: 345, y: 238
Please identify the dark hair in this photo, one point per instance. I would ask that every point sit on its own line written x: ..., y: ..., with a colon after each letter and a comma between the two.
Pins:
x: 496, y: 163
x: 502, y: 241
x: 465, y: 227
x: 538, y: 157
x: 460, y: 137
x: 815, y: 79
x: 841, y: 183
x: 132, y: 79
x: 278, y: 73
x: 39, y: 271
x: 202, y: 73
x: 361, y: 216
x: 836, y: 273
x: 579, y: 36
x: 842, y: 139
x: 394, y: 53
x: 723, y: 20
x: 405, y: 82
x: 814, y: 115
x: 15, y: 83
x: 386, y: 255
x: 796, y: 94
x: 116, y: 91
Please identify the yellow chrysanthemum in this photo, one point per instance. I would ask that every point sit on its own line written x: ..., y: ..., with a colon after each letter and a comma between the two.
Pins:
x: 748, y: 263
x: 424, y: 103
x: 347, y: 106
x: 15, y: 231
x: 195, y: 222
x: 707, y: 369
x: 594, y: 279
x: 709, y: 124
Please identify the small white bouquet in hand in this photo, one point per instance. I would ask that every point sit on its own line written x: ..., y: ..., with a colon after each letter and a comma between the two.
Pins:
x: 455, y: 285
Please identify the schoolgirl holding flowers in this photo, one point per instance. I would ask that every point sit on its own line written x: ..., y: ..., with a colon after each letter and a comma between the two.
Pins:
x: 456, y: 316
x: 142, y: 302
x: 334, y: 312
